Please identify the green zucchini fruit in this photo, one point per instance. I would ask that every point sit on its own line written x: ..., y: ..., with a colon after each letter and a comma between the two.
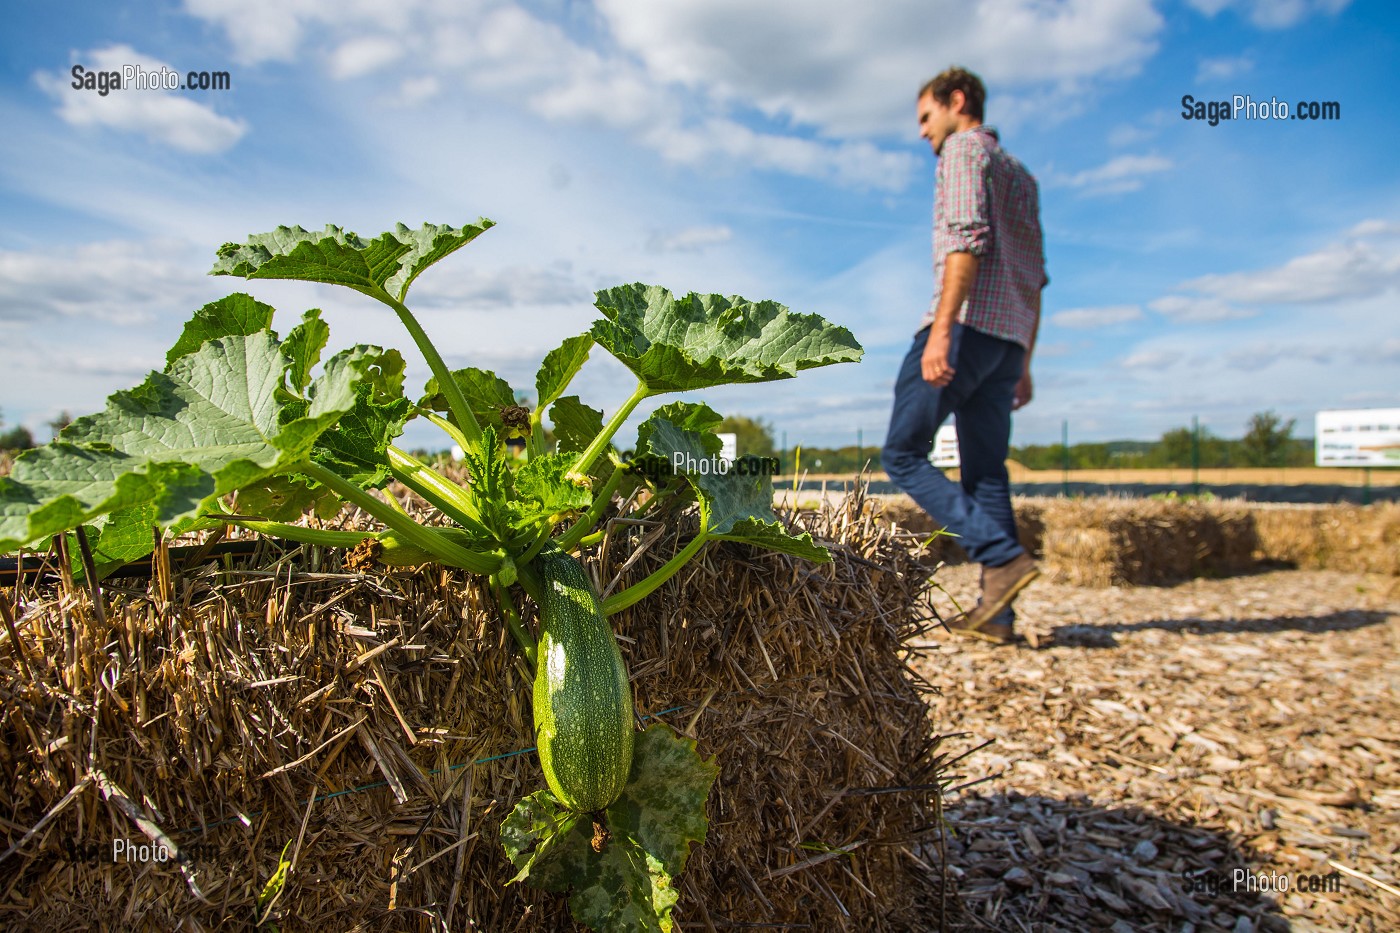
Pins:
x: 583, y: 701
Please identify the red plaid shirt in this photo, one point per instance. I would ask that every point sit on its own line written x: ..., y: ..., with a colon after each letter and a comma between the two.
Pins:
x: 987, y: 204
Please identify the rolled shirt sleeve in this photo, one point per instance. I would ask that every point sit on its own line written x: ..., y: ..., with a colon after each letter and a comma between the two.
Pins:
x: 987, y: 204
x: 964, y: 175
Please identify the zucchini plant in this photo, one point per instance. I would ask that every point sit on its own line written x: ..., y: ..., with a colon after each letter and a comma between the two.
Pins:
x: 243, y: 427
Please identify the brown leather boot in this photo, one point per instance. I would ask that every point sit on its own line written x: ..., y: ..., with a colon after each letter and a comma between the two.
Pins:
x: 999, y: 587
x: 998, y: 633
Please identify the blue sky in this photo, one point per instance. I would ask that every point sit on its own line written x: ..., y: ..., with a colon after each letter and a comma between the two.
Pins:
x: 766, y: 150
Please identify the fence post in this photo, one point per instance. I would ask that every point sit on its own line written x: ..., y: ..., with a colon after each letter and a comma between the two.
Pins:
x: 1064, y: 449
x: 1195, y: 456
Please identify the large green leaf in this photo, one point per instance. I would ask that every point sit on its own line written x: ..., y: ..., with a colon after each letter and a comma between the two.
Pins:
x: 738, y: 496
x: 209, y: 426
x: 487, y: 395
x: 575, y: 424
x: 707, y: 340
x: 543, y: 487
x: 389, y: 263
x: 285, y: 498
x: 559, y: 368
x: 303, y: 346
x: 356, y: 446
x: 126, y: 535
x: 235, y: 314
x: 629, y: 884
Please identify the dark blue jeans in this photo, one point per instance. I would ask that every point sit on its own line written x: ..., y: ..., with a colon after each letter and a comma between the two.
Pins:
x: 979, y: 511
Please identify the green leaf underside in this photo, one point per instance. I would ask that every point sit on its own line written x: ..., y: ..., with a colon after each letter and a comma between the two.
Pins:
x: 485, y: 392
x: 629, y: 885
x: 332, y: 256
x: 232, y: 315
x: 673, y: 345
x: 126, y: 536
x: 575, y: 424
x: 355, y: 447
x: 285, y: 498
x: 209, y: 426
x: 303, y: 347
x: 740, y: 503
x: 543, y: 489
x: 559, y: 367
x: 696, y: 418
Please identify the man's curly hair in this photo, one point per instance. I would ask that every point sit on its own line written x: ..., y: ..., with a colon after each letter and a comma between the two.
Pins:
x: 958, y: 79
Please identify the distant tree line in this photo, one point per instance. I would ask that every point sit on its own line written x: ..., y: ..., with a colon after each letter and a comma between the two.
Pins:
x: 21, y: 438
x: 1268, y: 441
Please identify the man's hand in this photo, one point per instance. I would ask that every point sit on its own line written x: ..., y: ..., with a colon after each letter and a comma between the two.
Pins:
x: 1022, y: 396
x: 938, y: 369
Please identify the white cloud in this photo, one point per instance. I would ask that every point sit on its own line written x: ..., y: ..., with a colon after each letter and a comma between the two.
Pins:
x: 415, y: 91
x: 1096, y: 317
x: 1053, y: 350
x: 1375, y: 228
x: 686, y: 71
x: 1272, y: 14
x: 1222, y: 69
x: 852, y: 69
x: 1152, y: 359
x: 855, y: 164
x: 120, y: 282
x: 689, y: 240
x: 1356, y: 268
x: 472, y: 287
x: 1197, y: 310
x: 172, y: 117
x: 1119, y: 174
x: 1266, y: 353
x: 363, y: 56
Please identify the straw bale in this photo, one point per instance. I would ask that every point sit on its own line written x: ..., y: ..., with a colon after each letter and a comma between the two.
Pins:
x: 1107, y: 541
x: 1356, y: 538
x: 286, y: 702
x: 1112, y: 542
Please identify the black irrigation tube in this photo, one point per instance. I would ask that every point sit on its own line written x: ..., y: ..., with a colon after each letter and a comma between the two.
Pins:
x: 38, y: 566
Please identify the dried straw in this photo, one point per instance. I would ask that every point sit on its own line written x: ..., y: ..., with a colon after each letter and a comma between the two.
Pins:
x: 287, y: 700
x: 1114, y: 541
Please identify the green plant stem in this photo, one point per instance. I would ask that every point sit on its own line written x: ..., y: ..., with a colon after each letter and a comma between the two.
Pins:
x: 512, y: 617
x: 534, y: 447
x: 590, y: 540
x: 450, y: 429
x: 410, y: 531
x: 570, y: 539
x: 300, y: 533
x: 644, y: 588
x: 600, y: 443
x: 528, y: 576
x: 451, y: 499
x: 456, y: 401
x: 541, y: 538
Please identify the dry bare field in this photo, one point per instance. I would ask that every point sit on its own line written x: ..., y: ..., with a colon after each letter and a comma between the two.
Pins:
x: 1160, y: 739
x: 1273, y: 476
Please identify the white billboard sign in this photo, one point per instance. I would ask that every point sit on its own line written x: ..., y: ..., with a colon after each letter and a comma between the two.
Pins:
x: 730, y: 450
x: 1362, y: 437
x: 945, y: 448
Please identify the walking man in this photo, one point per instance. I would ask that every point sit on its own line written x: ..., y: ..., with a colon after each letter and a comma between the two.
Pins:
x: 971, y: 357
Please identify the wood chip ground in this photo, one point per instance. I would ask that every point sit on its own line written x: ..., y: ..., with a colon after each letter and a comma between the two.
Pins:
x: 1151, y: 741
